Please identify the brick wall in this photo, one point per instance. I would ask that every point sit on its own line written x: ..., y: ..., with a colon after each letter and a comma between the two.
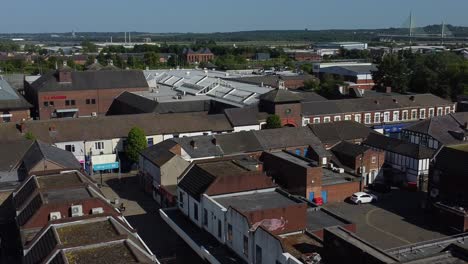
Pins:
x: 339, y: 192
x: 18, y: 115
x: 290, y: 114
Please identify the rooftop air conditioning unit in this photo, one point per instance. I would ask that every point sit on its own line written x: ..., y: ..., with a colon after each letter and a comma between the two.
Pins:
x: 97, y: 210
x: 94, y: 114
x: 55, y: 216
x: 77, y: 210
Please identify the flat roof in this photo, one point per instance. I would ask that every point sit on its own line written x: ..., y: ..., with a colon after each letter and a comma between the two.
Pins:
x: 318, y: 219
x: 222, y: 168
x: 294, y: 159
x: 58, y: 180
x: 256, y: 201
x: 299, y: 244
x: 330, y: 177
x: 66, y: 195
x: 89, y: 233
x: 116, y: 253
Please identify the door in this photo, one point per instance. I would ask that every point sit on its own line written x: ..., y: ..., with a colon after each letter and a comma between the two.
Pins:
x: 311, y: 196
x: 372, y: 176
x: 298, y: 152
x: 325, y: 196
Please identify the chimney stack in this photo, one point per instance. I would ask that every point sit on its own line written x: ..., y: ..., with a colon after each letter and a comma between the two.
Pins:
x: 193, y: 144
x: 21, y: 127
x: 214, y: 141
x: 412, y: 98
x: 52, y: 128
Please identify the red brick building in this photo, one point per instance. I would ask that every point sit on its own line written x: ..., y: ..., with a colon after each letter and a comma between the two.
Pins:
x: 67, y: 93
x: 285, y: 104
x: 201, y: 55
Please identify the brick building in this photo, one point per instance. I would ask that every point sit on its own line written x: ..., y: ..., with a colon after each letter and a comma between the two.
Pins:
x: 284, y: 104
x: 201, y: 55
x: 304, y: 177
x: 13, y: 107
x: 66, y: 93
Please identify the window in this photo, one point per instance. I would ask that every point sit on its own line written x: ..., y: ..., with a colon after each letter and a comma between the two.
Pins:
x: 72, y: 102
x: 229, y: 233
x: 347, y: 117
x: 405, y: 115
x: 88, y: 101
x: 246, y: 246
x: 326, y: 119
x: 51, y: 103
x: 93, y: 101
x: 219, y: 228
x: 205, y: 217
x: 70, y: 148
x: 258, y: 254
x: 317, y: 120
x: 440, y: 111
x: 99, y: 145
x: 431, y: 112
x: 337, y: 118
x: 181, y: 199
x: 357, y: 118
x: 414, y: 114
x: 386, y: 117
x: 396, y: 116
x: 305, y: 122
x: 422, y: 114
x: 67, y: 102
x: 176, y: 136
x: 447, y: 110
x: 374, y: 159
x: 367, y: 118
x: 150, y: 142
x: 195, y: 211
x: 377, y: 118
x: 46, y: 104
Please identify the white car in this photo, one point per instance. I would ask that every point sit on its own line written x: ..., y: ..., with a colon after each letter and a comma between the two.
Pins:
x: 362, y: 197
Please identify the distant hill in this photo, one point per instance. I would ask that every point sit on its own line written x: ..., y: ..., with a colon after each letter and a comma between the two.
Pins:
x: 258, y: 35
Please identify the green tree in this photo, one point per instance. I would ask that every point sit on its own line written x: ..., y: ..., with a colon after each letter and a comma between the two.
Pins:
x: 311, y: 84
x: 273, y: 121
x: 151, y: 59
x: 392, y: 72
x: 30, y: 136
x: 89, y: 47
x: 136, y: 142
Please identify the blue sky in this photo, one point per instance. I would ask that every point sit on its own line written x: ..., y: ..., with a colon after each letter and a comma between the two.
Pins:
x: 221, y: 15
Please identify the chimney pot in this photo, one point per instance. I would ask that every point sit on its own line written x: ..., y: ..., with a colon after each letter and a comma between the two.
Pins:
x: 214, y: 141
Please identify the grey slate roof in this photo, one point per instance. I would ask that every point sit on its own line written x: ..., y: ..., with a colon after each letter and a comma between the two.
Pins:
x: 280, y: 96
x: 357, y: 69
x: 92, y: 80
x: 349, y: 149
x: 196, y: 181
x: 159, y: 154
x: 12, y: 152
x: 378, y: 103
x: 40, y: 151
x: 246, y: 116
x: 335, y: 132
x: 10, y: 99
x: 398, y: 146
x: 237, y: 143
x: 286, y: 137
x: 204, y: 146
x: 442, y: 127
x: 109, y: 127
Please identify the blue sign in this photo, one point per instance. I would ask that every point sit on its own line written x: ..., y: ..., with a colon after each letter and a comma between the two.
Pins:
x: 106, y: 166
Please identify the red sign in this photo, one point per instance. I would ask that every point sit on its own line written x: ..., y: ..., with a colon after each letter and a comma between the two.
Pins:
x: 55, y: 97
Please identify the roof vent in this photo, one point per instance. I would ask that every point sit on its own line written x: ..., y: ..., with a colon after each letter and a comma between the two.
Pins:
x: 55, y: 216
x: 214, y: 141
x: 412, y: 98
x: 376, y: 102
x: 77, y: 210
x: 395, y: 100
x: 97, y: 210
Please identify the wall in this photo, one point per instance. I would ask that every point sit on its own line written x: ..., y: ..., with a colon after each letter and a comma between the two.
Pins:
x: 240, y: 229
x: 79, y: 149
x: 246, y: 128
x: 272, y: 251
x: 172, y: 169
x: 339, y: 192
x: 294, y: 116
x: 215, y: 212
x: 17, y: 115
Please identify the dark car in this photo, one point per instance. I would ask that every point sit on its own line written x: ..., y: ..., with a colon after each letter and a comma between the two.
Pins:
x: 380, y: 187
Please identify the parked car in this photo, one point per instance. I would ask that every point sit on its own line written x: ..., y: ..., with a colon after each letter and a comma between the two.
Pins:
x: 380, y: 187
x: 362, y: 197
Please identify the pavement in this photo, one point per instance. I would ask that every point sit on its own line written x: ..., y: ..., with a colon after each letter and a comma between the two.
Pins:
x: 142, y: 212
x: 395, y: 220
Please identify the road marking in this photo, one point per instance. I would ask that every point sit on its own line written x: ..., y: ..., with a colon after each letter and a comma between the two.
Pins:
x: 380, y: 229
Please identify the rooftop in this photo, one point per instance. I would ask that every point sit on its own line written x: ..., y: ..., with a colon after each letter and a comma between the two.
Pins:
x: 88, y: 233
x: 398, y: 146
x: 256, y: 201
x: 116, y: 253
x: 330, y: 177
x: 320, y: 219
x: 301, y: 244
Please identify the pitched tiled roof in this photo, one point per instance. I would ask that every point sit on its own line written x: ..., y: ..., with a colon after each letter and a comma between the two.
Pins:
x: 246, y: 116
x: 92, y: 80
x: 372, y: 104
x: 398, y: 146
x: 109, y: 127
x: 10, y: 99
x: 340, y: 131
x: 442, y: 127
x: 12, y: 153
x: 348, y: 149
x: 196, y: 181
x: 280, y: 96
x: 40, y: 151
x: 160, y: 153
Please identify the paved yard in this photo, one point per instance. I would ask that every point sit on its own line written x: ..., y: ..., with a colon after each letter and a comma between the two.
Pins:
x: 142, y: 213
x: 395, y: 220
